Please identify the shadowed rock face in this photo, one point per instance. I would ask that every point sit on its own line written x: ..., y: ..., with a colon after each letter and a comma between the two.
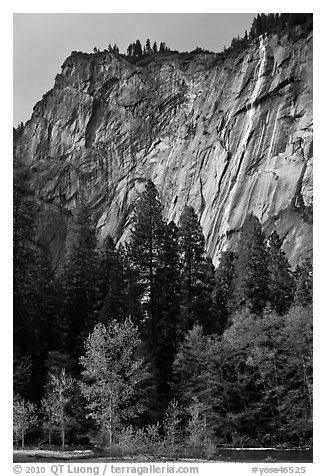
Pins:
x: 227, y: 137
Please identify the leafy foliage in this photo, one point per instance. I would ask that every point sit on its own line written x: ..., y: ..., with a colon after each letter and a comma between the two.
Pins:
x: 54, y: 404
x: 198, y: 434
x: 24, y: 418
x: 113, y: 377
x: 22, y: 374
x: 255, y: 383
x: 171, y: 425
x: 190, y: 365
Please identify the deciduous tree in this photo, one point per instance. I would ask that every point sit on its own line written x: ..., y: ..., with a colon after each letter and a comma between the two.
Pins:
x: 24, y: 418
x: 55, y: 403
x: 113, y: 377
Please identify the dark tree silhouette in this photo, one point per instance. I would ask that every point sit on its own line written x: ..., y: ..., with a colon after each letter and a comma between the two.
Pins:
x: 281, y: 284
x: 251, y: 275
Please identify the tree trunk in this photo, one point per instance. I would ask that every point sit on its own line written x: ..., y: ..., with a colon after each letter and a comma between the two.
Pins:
x: 23, y: 439
x: 278, y: 401
x: 110, y: 423
x: 63, y: 437
x: 306, y: 380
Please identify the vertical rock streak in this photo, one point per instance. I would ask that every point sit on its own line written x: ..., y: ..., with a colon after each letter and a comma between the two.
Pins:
x: 242, y: 148
x: 273, y: 135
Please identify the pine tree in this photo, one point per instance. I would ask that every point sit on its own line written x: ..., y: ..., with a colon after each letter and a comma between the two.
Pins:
x: 78, y: 279
x: 163, y: 343
x: 112, y: 288
x: 154, y: 47
x: 148, y: 48
x: 168, y: 283
x: 223, y: 292
x: 162, y: 47
x: 189, y: 366
x: 171, y: 427
x: 34, y: 297
x: 198, y: 433
x: 153, y: 254
x: 303, y: 283
x: 113, y: 377
x: 192, y: 244
x: 130, y: 50
x: 24, y: 273
x: 138, y: 52
x: 281, y: 285
x: 145, y: 247
x: 251, y: 275
x: 133, y: 288
x: 197, y: 274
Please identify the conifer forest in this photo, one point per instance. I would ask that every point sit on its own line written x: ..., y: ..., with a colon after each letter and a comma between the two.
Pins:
x: 149, y: 340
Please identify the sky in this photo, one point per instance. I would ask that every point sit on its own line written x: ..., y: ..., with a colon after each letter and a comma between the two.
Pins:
x: 42, y: 41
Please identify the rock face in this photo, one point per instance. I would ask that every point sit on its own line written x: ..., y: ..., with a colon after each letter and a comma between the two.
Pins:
x: 228, y: 137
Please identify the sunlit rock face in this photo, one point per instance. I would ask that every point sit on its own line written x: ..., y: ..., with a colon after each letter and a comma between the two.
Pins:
x: 228, y: 137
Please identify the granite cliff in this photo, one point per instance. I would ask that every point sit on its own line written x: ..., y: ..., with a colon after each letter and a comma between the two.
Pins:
x: 227, y: 136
